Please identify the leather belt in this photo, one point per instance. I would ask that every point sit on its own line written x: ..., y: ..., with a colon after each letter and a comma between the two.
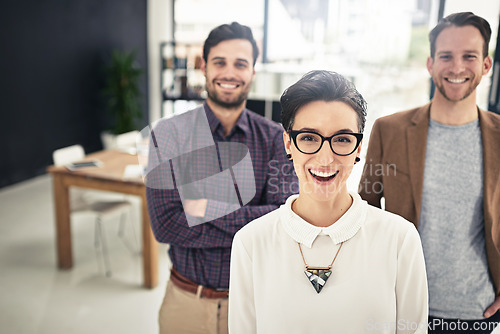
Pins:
x: 189, y: 286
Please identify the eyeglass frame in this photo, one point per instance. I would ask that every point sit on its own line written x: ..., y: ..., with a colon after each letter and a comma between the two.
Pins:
x: 294, y: 133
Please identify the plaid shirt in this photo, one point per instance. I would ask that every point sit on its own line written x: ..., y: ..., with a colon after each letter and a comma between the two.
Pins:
x: 202, y: 252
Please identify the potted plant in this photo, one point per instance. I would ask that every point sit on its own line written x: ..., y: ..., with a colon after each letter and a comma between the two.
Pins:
x: 122, y: 95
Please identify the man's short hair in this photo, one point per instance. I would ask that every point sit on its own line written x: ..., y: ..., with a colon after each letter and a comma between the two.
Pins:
x: 226, y: 32
x: 321, y: 86
x: 460, y: 20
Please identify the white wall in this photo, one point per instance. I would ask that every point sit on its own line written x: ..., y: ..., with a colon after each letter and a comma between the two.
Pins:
x: 159, y: 30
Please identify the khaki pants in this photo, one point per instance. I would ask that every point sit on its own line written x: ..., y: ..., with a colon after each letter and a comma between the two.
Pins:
x: 183, y: 312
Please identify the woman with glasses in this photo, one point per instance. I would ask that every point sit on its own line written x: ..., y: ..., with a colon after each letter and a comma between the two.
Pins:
x: 326, y: 261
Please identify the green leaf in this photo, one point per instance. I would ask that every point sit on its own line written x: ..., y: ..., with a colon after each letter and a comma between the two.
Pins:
x: 122, y: 91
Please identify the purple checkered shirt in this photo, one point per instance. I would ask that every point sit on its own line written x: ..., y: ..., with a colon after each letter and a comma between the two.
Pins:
x: 202, y: 252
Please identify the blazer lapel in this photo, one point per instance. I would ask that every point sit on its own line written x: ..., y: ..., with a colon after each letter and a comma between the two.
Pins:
x: 417, y: 143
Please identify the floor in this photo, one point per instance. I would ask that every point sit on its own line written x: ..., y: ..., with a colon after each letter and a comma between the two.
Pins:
x: 38, y: 298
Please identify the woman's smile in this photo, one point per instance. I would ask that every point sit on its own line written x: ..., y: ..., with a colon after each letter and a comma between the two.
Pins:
x: 323, y: 176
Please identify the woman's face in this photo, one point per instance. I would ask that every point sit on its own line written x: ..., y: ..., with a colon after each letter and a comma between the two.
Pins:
x: 323, y: 175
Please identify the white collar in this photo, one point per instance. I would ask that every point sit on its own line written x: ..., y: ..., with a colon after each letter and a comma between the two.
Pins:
x: 342, y: 230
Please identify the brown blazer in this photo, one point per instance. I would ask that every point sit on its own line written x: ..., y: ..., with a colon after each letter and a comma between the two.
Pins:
x: 394, y: 169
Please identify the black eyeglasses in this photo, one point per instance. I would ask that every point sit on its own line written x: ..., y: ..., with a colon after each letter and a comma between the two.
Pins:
x: 343, y: 143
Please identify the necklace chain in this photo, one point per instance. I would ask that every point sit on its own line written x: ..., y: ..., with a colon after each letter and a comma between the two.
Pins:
x: 331, y: 264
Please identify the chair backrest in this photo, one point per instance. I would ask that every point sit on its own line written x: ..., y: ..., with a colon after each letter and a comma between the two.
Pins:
x: 128, y: 139
x: 68, y: 154
x: 64, y: 156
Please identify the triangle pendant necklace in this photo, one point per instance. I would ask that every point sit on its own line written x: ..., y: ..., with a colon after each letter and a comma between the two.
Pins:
x: 318, y: 275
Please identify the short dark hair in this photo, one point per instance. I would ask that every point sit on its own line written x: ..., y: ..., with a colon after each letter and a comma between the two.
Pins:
x: 321, y: 86
x: 226, y: 32
x: 460, y: 20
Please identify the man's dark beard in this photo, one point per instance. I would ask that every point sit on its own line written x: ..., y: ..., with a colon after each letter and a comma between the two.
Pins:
x: 466, y: 95
x: 229, y: 105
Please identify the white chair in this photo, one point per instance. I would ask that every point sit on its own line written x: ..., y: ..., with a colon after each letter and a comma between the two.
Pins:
x: 103, y: 205
x: 127, y: 140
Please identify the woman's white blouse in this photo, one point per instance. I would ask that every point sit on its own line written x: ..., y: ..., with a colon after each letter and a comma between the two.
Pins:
x: 378, y: 282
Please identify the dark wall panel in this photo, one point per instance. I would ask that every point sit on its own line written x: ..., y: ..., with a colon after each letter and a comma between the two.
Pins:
x: 51, y: 60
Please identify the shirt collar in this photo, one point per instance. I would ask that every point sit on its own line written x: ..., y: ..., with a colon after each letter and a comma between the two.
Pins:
x: 342, y: 230
x: 214, y: 122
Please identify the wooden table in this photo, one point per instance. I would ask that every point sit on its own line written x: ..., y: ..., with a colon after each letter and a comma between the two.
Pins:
x: 108, y: 177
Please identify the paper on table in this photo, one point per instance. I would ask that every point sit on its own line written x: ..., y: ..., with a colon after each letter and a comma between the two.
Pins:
x: 83, y: 164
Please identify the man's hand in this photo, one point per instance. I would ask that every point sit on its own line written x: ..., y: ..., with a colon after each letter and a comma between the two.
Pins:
x: 493, y: 308
x: 196, y: 207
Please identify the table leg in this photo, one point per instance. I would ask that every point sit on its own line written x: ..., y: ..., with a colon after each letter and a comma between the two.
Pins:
x: 149, y: 250
x: 63, y: 227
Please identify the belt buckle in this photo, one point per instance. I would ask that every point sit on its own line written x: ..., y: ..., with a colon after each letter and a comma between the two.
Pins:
x: 199, y: 290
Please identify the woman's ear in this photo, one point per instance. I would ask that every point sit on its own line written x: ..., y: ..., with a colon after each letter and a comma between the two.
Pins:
x: 287, y: 142
x: 358, y: 151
